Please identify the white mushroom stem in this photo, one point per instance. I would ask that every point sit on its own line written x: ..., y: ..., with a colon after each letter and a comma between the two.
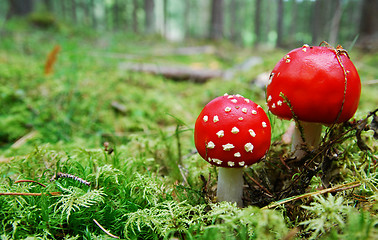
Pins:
x: 230, y: 185
x: 311, y: 134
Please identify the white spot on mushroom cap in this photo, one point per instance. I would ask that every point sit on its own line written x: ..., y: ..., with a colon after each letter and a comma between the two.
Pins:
x: 227, y: 109
x: 244, y: 110
x: 270, y: 78
x: 234, y: 100
x: 269, y: 98
x: 234, y: 130
x: 238, y: 95
x: 226, y: 94
x: 217, y: 161
x: 228, y: 147
x: 287, y: 58
x: 231, y: 164
x: 237, y: 154
x: 205, y: 118
x: 241, y: 164
x: 273, y: 105
x: 246, y: 100
x: 254, y: 112
x: 248, y: 147
x: 264, y: 124
x: 240, y: 119
x: 215, y: 119
x: 220, y: 133
x: 253, y: 134
x: 210, y: 145
x: 279, y: 103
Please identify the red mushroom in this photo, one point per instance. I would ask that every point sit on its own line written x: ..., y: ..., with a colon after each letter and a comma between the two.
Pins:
x: 317, y: 85
x: 232, y: 132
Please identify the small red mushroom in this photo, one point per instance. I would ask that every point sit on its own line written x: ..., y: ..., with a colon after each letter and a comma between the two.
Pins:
x: 318, y: 85
x: 232, y: 132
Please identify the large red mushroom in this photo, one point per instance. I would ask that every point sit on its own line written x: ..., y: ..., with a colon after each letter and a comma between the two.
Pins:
x: 316, y: 85
x: 232, y: 132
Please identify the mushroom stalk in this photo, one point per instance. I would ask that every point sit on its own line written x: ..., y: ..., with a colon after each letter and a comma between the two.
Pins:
x: 230, y: 185
x: 311, y: 134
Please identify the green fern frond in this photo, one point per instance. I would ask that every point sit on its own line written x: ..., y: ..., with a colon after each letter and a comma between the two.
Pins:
x: 75, y: 198
x: 163, y: 218
x: 106, y: 174
x: 327, y: 213
x: 148, y: 190
x: 253, y: 222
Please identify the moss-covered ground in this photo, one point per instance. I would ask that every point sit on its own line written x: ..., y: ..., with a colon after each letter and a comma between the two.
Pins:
x: 130, y: 135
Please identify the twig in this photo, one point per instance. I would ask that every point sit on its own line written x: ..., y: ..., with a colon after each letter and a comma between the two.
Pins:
x: 24, y: 139
x: 32, y: 181
x: 327, y: 190
x: 184, y: 173
x: 5, y: 159
x: 370, y: 82
x: 259, y: 185
x: 29, y: 194
x: 103, y: 229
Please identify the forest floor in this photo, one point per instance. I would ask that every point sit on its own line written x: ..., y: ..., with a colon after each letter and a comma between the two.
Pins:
x: 89, y: 149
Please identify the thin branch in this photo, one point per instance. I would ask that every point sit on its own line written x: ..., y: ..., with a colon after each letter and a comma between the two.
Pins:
x: 32, y: 181
x: 259, y: 185
x: 103, y: 229
x: 327, y: 190
x: 29, y: 194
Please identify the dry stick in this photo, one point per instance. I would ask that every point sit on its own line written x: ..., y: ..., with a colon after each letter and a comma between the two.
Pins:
x: 260, y: 186
x: 32, y: 181
x: 29, y: 194
x: 103, y: 229
x: 327, y: 190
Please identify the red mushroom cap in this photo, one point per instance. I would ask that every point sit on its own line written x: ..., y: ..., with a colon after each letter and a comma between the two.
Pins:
x: 232, y: 131
x: 318, y: 82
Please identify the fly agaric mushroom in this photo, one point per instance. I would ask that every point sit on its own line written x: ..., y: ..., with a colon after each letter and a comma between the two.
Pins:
x: 316, y: 85
x: 232, y: 132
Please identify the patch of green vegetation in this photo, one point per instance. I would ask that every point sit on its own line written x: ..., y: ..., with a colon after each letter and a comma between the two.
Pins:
x: 130, y: 135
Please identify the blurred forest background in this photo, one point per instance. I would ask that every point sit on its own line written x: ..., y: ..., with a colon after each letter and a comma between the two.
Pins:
x: 269, y: 23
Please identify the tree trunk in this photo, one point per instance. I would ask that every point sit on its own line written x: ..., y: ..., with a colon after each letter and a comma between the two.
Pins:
x: 187, y: 19
x: 216, y: 22
x: 280, y: 13
x: 369, y: 25
x: 234, y: 20
x: 293, y: 23
x: 257, y: 22
x: 20, y: 7
x: 135, y: 16
x: 149, y: 7
x: 335, y: 23
x: 165, y: 17
x: 73, y: 11
x: 93, y: 14
x: 317, y: 22
x: 116, y: 15
x: 48, y: 5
